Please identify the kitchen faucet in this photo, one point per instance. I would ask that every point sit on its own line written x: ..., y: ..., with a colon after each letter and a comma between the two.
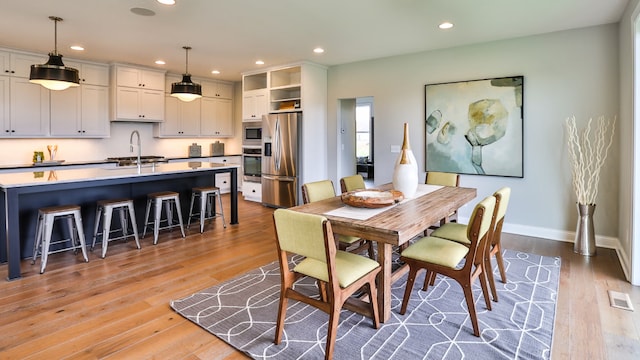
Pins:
x: 138, y: 144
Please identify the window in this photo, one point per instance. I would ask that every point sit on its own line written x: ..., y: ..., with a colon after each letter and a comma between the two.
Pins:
x: 363, y: 133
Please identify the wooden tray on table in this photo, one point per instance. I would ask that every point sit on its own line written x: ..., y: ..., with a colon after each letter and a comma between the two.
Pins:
x: 372, y: 198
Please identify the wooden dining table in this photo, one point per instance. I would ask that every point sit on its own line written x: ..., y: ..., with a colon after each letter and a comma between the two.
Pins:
x: 392, y: 226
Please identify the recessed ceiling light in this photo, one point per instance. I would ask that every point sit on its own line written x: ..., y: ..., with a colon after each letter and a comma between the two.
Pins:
x: 259, y: 62
x: 167, y: 2
x: 160, y: 62
x: 445, y: 25
x: 77, y: 48
x: 318, y: 50
x: 215, y: 72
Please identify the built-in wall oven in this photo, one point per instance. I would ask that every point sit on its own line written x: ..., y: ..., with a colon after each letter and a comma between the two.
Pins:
x: 251, y: 163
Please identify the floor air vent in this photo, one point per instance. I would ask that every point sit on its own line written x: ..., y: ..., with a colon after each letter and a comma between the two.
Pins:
x: 620, y: 300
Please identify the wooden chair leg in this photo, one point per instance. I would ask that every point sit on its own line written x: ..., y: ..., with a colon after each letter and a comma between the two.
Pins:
x: 500, y: 261
x: 373, y: 300
x: 429, y: 280
x: 282, y: 314
x: 372, y: 254
x: 491, y: 279
x: 411, y: 278
x: 485, y: 290
x: 332, y: 330
x: 468, y: 295
x: 322, y: 287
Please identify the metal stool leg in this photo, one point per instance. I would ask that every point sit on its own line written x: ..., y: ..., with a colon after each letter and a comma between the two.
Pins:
x: 224, y: 224
x: 80, y: 230
x: 96, y: 226
x: 156, y: 220
x: 106, y: 229
x: 37, y: 244
x: 204, y: 200
x: 179, y: 211
x: 146, y: 217
x: 48, y: 229
x: 193, y: 195
x: 132, y: 216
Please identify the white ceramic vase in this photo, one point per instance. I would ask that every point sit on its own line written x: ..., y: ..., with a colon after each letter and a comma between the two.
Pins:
x: 405, y: 172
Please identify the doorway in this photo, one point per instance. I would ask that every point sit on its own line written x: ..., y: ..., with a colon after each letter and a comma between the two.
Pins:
x: 364, y: 138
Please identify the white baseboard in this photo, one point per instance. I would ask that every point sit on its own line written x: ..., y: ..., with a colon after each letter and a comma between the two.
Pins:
x: 568, y: 236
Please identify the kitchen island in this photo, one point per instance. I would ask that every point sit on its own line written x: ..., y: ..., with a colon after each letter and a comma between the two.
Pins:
x: 23, y: 193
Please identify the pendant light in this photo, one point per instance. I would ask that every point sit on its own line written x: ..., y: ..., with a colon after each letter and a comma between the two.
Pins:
x: 186, y: 90
x: 53, y: 74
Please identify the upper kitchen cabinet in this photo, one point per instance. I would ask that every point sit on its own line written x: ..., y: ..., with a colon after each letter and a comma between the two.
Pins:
x: 209, y: 116
x: 82, y: 111
x: 137, y: 94
x: 217, y: 117
x: 24, y: 106
x: 217, y: 89
x: 254, y: 96
x: 19, y: 64
x: 182, y: 119
x: 26, y: 113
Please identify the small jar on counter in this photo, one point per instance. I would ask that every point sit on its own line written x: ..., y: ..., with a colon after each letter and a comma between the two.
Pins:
x: 38, y: 156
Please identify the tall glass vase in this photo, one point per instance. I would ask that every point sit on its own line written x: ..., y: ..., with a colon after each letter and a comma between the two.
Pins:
x: 405, y: 172
x: 585, y: 242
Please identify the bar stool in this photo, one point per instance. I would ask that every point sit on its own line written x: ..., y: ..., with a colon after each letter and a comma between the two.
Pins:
x: 206, y: 195
x: 44, y: 227
x: 104, y: 211
x: 169, y: 199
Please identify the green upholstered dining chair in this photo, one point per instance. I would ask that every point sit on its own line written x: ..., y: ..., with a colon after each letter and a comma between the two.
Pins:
x: 457, y: 232
x: 442, y: 256
x: 353, y: 182
x: 323, y: 189
x: 444, y: 179
x: 339, y: 273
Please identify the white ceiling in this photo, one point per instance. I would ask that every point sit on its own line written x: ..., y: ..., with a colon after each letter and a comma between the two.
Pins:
x: 229, y: 35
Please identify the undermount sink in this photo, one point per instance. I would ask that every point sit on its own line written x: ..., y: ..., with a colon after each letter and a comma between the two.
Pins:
x: 133, y: 160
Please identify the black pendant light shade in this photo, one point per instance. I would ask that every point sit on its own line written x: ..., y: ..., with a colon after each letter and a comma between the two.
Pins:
x: 53, y: 74
x: 186, y: 90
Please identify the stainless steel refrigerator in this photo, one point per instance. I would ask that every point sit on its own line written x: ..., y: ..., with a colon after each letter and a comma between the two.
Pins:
x: 280, y: 168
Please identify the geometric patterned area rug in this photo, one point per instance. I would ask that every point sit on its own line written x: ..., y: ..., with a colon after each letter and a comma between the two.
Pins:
x: 242, y: 312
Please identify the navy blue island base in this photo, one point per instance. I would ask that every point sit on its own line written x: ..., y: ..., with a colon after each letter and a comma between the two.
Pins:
x: 22, y: 194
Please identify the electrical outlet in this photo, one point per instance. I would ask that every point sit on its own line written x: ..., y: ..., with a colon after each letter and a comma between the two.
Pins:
x: 395, y: 148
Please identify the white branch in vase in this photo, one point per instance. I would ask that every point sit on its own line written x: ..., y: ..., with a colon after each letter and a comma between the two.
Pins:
x: 587, y: 154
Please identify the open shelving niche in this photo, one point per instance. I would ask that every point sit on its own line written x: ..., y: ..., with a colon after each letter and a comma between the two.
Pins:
x: 285, y: 89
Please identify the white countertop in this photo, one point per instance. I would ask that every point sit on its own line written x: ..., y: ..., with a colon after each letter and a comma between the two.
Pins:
x: 48, y: 177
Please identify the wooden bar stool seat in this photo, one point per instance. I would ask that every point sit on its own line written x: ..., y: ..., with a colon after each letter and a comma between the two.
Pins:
x: 44, y: 228
x: 207, y: 205
x: 171, y: 201
x: 104, y: 212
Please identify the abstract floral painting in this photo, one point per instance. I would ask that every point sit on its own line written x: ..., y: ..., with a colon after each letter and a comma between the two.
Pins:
x: 475, y: 127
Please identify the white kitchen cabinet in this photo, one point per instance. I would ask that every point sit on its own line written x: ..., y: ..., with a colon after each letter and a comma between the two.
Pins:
x: 137, y: 94
x: 252, y: 191
x: 181, y: 118
x: 89, y: 73
x: 217, y: 117
x: 80, y: 112
x: 28, y: 108
x: 225, y: 178
x: 217, y: 89
x: 254, y: 105
x: 19, y: 64
x: 139, y: 78
x: 138, y: 105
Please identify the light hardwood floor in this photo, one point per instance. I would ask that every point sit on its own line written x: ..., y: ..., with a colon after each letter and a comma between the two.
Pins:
x: 118, y: 307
